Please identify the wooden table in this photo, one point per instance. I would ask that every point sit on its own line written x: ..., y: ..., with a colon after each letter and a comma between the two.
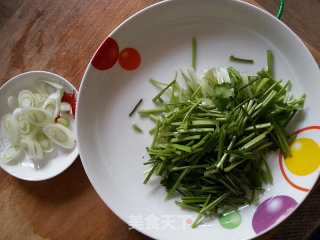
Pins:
x: 61, y: 36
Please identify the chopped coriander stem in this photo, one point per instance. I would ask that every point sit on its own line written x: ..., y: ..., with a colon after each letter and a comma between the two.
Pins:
x: 150, y: 162
x: 135, y: 108
x: 233, y: 165
x: 245, y: 139
x: 170, y: 192
x: 233, y: 190
x: 268, y: 90
x: 256, y: 139
x: 150, y: 111
x: 236, y: 59
x: 201, y: 142
x: 269, y: 174
x: 194, y: 49
x: 163, y: 90
x: 220, y: 163
x: 270, y: 62
x: 196, y: 130
x: 292, y: 138
x: 221, y: 145
x: 284, y: 146
x: 153, y: 117
x: 161, y: 151
x: 135, y: 127
x: 172, y: 97
x: 214, y: 115
x: 221, y: 119
x: 248, y: 84
x: 261, y: 85
x: 177, y: 114
x: 150, y: 173
x: 186, y: 155
x: 160, y: 168
x: 291, y: 116
x: 259, y: 126
x: 254, y: 196
x: 214, y: 203
x: 197, y: 209
x: 284, y: 88
x: 192, y: 167
x: 206, y: 180
x: 152, y: 130
x: 181, y: 147
x: 203, y: 198
x: 268, y: 144
x: 269, y: 98
x: 155, y: 137
x: 187, y: 116
x: 147, y: 171
x: 204, y: 122
x: 195, y: 92
x: 194, y: 224
x: 155, y: 82
x: 232, y: 183
x: 182, y: 139
x: 195, y: 201
x: 212, y: 188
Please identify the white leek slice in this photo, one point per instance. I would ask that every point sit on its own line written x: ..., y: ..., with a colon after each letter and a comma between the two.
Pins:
x: 32, y: 148
x: 11, y: 153
x: 12, y: 102
x: 47, y: 87
x: 38, y: 116
x: 26, y: 99
x: 44, y: 142
x: 53, y: 104
x: 9, y: 128
x: 63, y: 121
x: 65, y: 107
x: 60, y: 135
x: 21, y: 122
x: 40, y: 98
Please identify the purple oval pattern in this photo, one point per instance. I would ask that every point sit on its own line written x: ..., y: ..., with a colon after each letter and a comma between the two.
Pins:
x: 272, y: 211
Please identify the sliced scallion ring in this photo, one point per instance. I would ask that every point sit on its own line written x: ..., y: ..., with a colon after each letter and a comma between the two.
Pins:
x: 9, y: 128
x: 21, y: 122
x: 53, y: 104
x: 63, y: 121
x: 47, y: 87
x: 44, y: 142
x: 38, y: 116
x: 11, y: 153
x: 32, y: 148
x: 26, y: 99
x: 65, y: 107
x: 60, y: 135
x: 40, y: 98
x: 12, y: 102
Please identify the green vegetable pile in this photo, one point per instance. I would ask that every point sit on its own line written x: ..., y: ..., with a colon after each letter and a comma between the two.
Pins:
x: 211, y: 138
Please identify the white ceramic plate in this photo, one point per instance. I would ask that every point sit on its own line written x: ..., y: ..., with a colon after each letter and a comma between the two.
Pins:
x: 53, y: 162
x: 112, y: 152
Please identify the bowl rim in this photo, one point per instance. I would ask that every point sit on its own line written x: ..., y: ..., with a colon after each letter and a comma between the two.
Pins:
x: 7, y: 84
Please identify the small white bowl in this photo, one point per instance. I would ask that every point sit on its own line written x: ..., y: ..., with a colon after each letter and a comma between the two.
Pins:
x: 54, y: 162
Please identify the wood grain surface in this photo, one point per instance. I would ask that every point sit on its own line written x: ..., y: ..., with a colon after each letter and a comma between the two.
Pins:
x: 61, y: 36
